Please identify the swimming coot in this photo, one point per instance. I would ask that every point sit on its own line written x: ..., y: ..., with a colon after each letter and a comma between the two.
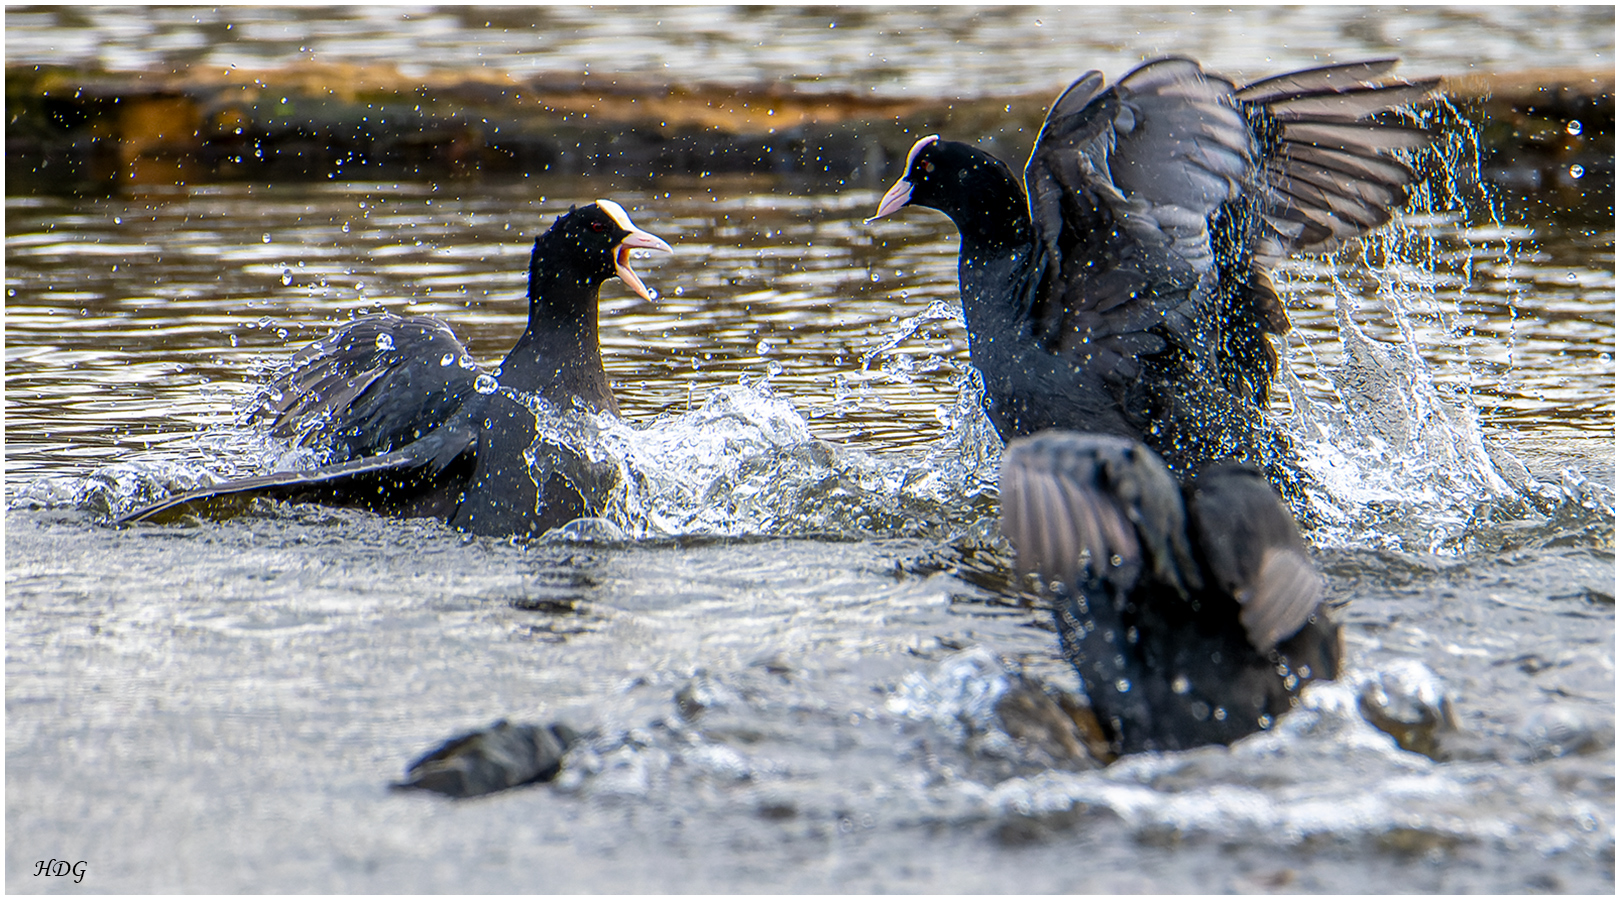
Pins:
x: 1192, y: 615
x: 412, y: 428
x: 1127, y: 292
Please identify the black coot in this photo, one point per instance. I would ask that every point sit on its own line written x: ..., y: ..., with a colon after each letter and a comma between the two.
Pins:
x: 1126, y: 296
x: 412, y: 428
x: 1128, y: 293
x: 1193, y: 615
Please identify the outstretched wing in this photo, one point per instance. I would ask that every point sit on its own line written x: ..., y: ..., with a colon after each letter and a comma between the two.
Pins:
x: 1326, y: 172
x: 401, y: 482
x: 1254, y: 552
x: 375, y: 385
x: 1093, y: 510
x: 1122, y: 184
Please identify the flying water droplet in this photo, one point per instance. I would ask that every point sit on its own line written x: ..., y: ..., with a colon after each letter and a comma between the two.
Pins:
x: 486, y: 383
x: 385, y: 342
x: 447, y: 359
x: 466, y: 362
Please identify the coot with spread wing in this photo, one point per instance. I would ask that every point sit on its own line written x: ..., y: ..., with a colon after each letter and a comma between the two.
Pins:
x: 412, y: 428
x: 1127, y: 292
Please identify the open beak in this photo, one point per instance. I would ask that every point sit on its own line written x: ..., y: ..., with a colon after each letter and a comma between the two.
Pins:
x: 636, y: 239
x: 898, y: 196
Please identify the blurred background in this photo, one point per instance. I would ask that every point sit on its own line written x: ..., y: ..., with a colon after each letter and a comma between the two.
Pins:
x: 145, y: 95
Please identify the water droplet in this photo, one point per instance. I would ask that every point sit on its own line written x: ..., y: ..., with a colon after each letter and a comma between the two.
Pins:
x: 286, y: 276
x: 679, y: 291
x: 1220, y: 714
x: 281, y: 333
x: 1123, y: 685
x: 875, y: 277
x: 447, y: 359
x: 233, y: 340
x: 264, y: 322
x: 1574, y: 126
x: 345, y: 227
x: 385, y: 342
x: 466, y: 362
x: 265, y: 237
x: 1179, y: 684
x: 118, y: 220
x: 485, y: 383
x: 773, y: 368
x: 1577, y: 170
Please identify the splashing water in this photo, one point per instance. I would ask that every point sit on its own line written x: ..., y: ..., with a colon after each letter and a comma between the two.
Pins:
x: 746, y: 463
x: 1399, y: 458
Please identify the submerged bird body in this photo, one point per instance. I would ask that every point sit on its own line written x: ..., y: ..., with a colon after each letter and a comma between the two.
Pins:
x: 410, y: 426
x: 1118, y: 308
x: 1193, y: 616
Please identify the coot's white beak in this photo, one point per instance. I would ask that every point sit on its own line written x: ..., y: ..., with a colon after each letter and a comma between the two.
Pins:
x: 900, y: 194
x: 636, y: 239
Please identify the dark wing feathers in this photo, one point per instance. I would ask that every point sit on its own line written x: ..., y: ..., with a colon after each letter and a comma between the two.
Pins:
x: 1352, y: 104
x: 372, y: 386
x: 1090, y: 507
x: 1126, y: 183
x: 1253, y: 551
x: 1184, y: 150
x: 1324, y: 78
x: 1326, y: 170
x: 421, y: 460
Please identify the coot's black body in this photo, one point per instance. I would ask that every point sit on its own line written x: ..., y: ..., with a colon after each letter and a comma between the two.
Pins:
x: 411, y: 427
x: 1127, y: 292
x: 1193, y: 616
x: 1118, y: 307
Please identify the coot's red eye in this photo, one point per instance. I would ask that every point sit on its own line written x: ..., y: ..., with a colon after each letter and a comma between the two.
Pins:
x: 928, y: 167
x: 598, y: 226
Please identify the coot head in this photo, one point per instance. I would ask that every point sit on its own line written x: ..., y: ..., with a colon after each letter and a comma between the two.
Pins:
x: 598, y: 237
x: 974, y: 188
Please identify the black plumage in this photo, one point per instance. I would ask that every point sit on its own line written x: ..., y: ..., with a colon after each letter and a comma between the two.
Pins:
x: 1127, y: 292
x: 1118, y: 307
x: 411, y: 427
x: 1192, y: 615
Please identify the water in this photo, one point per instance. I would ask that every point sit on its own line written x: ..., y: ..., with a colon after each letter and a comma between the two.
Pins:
x: 954, y: 51
x: 787, y: 642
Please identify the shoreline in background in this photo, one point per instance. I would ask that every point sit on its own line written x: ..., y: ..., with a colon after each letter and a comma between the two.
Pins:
x: 82, y: 131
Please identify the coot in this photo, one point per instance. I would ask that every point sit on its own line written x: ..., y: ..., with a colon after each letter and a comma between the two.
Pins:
x: 1127, y: 292
x: 1192, y: 615
x: 1119, y: 311
x: 412, y: 428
